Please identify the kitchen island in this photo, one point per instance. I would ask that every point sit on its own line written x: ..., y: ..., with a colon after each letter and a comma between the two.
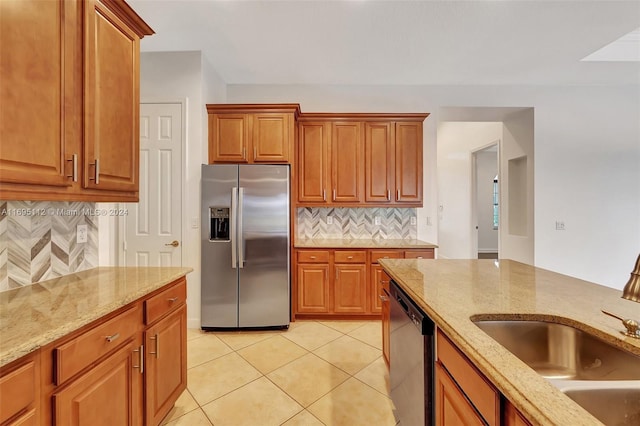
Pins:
x: 453, y: 292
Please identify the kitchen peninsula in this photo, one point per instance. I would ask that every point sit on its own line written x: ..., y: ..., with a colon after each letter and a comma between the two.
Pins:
x: 453, y: 293
x: 69, y: 341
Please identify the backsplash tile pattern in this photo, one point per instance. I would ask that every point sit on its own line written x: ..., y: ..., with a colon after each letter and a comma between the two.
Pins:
x: 38, y: 240
x: 354, y: 223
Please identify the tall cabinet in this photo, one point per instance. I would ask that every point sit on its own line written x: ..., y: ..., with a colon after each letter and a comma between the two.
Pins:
x: 69, y: 93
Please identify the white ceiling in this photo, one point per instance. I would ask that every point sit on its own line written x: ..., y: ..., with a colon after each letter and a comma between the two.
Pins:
x: 398, y: 42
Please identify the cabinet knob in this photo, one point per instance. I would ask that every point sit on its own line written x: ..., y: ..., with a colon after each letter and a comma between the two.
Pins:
x: 312, y: 257
x: 349, y: 257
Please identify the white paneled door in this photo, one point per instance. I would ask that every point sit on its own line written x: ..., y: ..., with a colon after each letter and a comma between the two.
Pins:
x: 152, y: 235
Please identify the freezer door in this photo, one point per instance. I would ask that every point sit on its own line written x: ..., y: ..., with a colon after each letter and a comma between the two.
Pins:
x: 263, y: 251
x: 219, y: 278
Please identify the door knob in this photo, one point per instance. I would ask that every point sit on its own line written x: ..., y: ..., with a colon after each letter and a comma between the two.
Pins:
x: 173, y: 243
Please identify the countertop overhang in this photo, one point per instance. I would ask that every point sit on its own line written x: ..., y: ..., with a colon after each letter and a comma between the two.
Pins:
x: 452, y: 292
x: 35, y: 315
x: 362, y: 243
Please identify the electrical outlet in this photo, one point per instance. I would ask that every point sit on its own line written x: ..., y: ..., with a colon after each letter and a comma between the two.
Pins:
x: 195, y: 222
x: 429, y: 221
x: 559, y: 225
x: 412, y: 221
x: 329, y: 220
x: 376, y: 220
x: 81, y: 234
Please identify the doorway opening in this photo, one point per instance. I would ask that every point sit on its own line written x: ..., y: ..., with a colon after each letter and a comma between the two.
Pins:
x: 485, y: 202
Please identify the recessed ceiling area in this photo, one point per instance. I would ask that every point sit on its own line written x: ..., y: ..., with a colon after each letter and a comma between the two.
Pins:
x: 397, y: 42
x: 626, y: 48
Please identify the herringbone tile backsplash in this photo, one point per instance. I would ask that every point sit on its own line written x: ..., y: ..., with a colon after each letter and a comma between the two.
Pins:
x: 38, y: 240
x: 395, y: 223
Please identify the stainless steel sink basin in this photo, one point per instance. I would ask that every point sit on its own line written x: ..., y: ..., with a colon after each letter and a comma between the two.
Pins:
x: 562, y: 352
x: 618, y: 406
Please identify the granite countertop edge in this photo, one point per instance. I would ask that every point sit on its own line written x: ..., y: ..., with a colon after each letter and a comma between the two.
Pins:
x: 540, y: 401
x: 363, y: 243
x: 46, y: 335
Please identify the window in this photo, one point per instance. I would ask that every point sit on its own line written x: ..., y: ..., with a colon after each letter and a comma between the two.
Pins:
x: 495, y: 202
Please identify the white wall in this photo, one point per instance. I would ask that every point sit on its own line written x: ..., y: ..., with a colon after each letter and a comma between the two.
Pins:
x: 587, y: 161
x: 456, y: 143
x: 169, y: 76
x: 487, y: 170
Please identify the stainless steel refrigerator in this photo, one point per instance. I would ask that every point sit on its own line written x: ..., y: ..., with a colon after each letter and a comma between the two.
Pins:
x: 245, y: 246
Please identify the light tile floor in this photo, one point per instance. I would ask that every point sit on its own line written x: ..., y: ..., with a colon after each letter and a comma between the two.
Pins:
x: 316, y: 373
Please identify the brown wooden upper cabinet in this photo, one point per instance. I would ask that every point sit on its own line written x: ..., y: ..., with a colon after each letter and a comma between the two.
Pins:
x: 69, y: 88
x: 241, y: 133
x: 393, y: 162
x: 360, y: 159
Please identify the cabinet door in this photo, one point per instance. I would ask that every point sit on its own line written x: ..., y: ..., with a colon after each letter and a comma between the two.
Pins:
x: 112, y: 104
x: 313, y: 157
x: 375, y: 288
x: 513, y: 417
x: 107, y: 395
x: 313, y: 288
x: 386, y: 324
x: 452, y: 408
x: 228, y: 138
x: 350, y: 294
x: 379, y: 162
x: 346, y: 154
x: 32, y: 92
x: 408, y: 145
x: 166, y: 364
x: 271, y: 137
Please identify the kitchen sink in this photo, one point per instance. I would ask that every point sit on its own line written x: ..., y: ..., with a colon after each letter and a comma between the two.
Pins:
x: 615, y: 405
x: 561, y: 352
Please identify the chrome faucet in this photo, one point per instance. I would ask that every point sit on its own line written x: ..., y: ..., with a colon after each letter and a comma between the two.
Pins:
x: 631, y: 290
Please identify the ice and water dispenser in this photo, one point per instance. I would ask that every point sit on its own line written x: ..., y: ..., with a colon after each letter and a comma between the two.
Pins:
x: 219, y: 225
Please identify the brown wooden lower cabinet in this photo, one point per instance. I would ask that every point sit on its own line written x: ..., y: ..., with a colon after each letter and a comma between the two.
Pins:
x: 166, y: 366
x: 109, y: 394
x: 464, y: 396
x: 452, y: 407
x: 20, y: 391
x: 105, y: 373
x: 343, y: 282
x: 383, y: 296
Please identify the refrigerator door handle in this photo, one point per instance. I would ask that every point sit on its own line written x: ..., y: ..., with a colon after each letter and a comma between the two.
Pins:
x: 232, y: 231
x: 240, y: 234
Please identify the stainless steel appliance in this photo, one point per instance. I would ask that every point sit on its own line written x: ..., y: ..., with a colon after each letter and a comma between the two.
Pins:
x: 245, y: 246
x: 411, y: 358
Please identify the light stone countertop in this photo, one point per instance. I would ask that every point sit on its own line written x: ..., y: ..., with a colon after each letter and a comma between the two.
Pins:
x: 38, y: 314
x: 453, y: 291
x: 364, y: 243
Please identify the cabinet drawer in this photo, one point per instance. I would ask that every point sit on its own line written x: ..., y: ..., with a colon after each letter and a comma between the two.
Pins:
x: 419, y: 254
x: 385, y: 254
x: 161, y: 304
x: 350, y: 256
x: 484, y: 397
x: 18, y: 390
x: 313, y: 256
x: 73, y: 356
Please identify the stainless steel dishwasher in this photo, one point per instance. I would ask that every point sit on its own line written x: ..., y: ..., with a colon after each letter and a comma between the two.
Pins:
x: 411, y: 360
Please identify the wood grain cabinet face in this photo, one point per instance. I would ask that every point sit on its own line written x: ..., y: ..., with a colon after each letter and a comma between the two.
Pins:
x: 166, y: 364
x: 116, y: 380
x: 379, y: 162
x: 70, y: 100
x: 251, y: 133
x: 313, y: 288
x: 350, y: 294
x: 19, y: 392
x: 346, y: 162
x: 313, y: 162
x: 408, y: 162
x: 32, y: 92
x: 230, y: 138
x: 513, y: 417
x: 452, y: 407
